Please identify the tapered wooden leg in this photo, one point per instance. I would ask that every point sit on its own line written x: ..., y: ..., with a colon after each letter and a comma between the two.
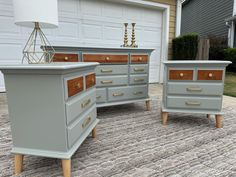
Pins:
x: 208, y: 116
x: 94, y: 133
x: 66, y: 166
x: 148, y: 105
x: 164, y: 118
x: 219, y: 121
x: 18, y: 163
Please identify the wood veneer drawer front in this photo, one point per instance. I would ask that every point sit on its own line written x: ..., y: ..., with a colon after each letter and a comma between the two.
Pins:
x: 210, y: 75
x: 101, y: 95
x: 90, y: 80
x: 180, y: 74
x: 80, y: 104
x: 139, y: 58
x: 195, y: 88
x: 127, y: 93
x: 105, y: 58
x: 111, y: 69
x: 75, y: 86
x: 206, y: 103
x: 78, y: 127
x: 138, y: 69
x: 65, y: 57
x: 104, y: 81
x: 138, y: 79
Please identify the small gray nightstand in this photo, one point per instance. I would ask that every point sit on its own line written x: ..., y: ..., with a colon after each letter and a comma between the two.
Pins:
x: 52, y: 109
x: 193, y: 87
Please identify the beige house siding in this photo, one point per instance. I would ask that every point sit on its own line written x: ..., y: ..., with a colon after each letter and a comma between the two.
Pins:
x: 172, y: 4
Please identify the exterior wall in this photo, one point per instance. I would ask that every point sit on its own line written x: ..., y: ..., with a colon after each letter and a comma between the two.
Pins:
x: 172, y: 4
x: 207, y: 17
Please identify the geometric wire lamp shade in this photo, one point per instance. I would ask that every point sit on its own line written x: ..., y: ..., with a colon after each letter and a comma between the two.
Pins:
x: 36, y: 14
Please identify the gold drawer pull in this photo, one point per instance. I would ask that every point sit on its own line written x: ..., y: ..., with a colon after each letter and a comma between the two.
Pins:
x: 117, y: 94
x: 98, y: 97
x: 138, y: 69
x: 107, y: 58
x: 86, y: 122
x: 210, y: 75
x: 78, y: 85
x: 181, y: 74
x: 137, y: 93
x: 106, y: 70
x: 140, y: 59
x: 85, y: 103
x: 194, y: 89
x: 192, y: 103
x: 138, y: 80
x: 66, y: 58
x: 107, y: 82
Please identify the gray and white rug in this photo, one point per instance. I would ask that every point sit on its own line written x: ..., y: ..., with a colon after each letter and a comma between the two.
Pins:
x: 132, y: 142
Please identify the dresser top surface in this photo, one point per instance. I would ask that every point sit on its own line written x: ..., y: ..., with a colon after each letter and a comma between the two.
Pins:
x: 48, y: 66
x: 102, y: 49
x: 197, y: 62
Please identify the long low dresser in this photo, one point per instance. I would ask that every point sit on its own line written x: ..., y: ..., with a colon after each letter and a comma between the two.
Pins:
x: 194, y: 87
x: 122, y: 76
x: 52, y: 109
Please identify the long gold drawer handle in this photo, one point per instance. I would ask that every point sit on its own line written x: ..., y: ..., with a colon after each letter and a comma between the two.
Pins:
x: 98, y: 97
x: 137, y: 93
x: 138, y: 80
x: 85, y: 103
x: 86, y: 122
x: 192, y: 103
x: 194, y: 89
x: 117, y: 94
x: 107, y: 82
x: 138, y: 69
x: 106, y: 70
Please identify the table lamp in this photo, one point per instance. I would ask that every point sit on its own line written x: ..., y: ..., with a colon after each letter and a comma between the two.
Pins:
x: 36, y: 14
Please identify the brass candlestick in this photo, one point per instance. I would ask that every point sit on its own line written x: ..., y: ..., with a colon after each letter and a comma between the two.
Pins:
x: 125, y: 36
x: 133, y: 37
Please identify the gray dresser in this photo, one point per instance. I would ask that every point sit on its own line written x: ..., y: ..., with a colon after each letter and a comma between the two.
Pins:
x: 122, y: 76
x: 193, y: 87
x: 52, y: 109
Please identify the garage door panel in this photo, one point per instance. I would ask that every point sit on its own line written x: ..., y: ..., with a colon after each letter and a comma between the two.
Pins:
x: 92, y: 31
x: 91, y: 7
x: 112, y: 33
x: 68, y: 29
x: 116, y: 11
x: 152, y: 16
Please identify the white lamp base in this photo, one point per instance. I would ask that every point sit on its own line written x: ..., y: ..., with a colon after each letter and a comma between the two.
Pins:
x: 34, y: 51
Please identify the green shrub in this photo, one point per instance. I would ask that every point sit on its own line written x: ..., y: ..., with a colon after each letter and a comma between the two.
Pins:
x: 217, y: 46
x: 230, y: 55
x: 185, y: 47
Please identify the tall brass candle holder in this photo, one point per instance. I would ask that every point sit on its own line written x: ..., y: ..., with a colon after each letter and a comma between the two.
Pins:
x: 125, y: 36
x: 133, y: 37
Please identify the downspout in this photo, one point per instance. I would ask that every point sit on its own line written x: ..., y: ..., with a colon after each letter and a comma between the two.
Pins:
x: 178, y: 17
x: 232, y: 28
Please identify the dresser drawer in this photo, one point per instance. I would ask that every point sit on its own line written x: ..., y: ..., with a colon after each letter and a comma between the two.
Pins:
x: 78, y: 127
x: 139, y: 58
x: 206, y: 103
x: 104, y: 81
x: 105, y: 58
x: 80, y: 104
x: 210, y: 75
x: 195, y: 88
x: 180, y: 74
x: 101, y: 95
x: 65, y: 57
x: 125, y: 93
x: 138, y: 79
x: 90, y: 80
x: 75, y: 86
x: 111, y: 69
x: 138, y: 69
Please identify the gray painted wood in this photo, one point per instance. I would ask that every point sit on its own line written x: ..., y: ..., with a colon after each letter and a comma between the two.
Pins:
x: 37, y: 108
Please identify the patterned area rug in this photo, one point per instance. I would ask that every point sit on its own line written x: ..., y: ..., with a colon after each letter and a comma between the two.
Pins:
x: 132, y: 142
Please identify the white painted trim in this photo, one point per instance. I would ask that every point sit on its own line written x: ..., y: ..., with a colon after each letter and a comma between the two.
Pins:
x: 165, y: 27
x: 178, y: 17
x: 231, y: 33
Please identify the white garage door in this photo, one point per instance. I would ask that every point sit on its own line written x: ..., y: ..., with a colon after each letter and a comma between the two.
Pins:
x: 86, y: 23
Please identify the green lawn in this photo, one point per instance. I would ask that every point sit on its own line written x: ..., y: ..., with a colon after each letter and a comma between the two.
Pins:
x: 230, y: 84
